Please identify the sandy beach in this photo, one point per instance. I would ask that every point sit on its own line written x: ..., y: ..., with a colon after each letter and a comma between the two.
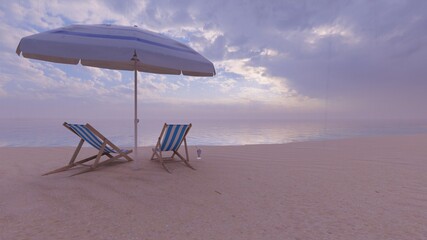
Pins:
x: 361, y: 188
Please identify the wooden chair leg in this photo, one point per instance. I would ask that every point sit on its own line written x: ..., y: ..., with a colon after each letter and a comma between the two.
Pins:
x: 122, y: 153
x: 156, y: 149
x: 186, y: 149
x: 71, y: 163
x: 79, y: 146
x: 100, y: 163
x: 125, y: 155
x: 184, y: 160
x: 61, y: 169
x: 100, y: 153
x: 163, y: 162
x: 154, y: 154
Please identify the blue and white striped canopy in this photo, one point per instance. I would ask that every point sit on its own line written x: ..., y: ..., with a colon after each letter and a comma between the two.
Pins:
x: 89, y: 137
x: 173, y: 137
x: 111, y: 46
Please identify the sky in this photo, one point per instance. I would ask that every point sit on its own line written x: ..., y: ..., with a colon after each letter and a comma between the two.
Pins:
x: 274, y: 59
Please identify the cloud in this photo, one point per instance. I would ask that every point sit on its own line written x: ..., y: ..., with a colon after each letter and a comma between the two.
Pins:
x: 104, y: 75
x: 346, y: 56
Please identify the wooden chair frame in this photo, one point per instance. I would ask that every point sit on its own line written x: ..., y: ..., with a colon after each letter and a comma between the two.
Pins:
x: 97, y: 163
x: 158, y: 155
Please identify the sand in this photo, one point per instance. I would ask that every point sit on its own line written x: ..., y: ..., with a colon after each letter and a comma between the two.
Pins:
x: 364, y: 188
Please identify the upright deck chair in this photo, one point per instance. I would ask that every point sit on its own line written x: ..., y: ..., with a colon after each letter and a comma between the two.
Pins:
x: 170, y: 140
x: 97, y: 140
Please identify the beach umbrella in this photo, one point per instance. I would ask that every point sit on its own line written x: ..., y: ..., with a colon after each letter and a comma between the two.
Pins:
x: 116, y: 47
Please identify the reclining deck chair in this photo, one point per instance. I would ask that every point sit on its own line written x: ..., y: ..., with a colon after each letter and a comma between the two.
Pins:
x: 97, y: 140
x: 174, y: 135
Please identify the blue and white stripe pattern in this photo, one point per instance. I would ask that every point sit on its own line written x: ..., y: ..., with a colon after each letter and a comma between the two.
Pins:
x: 173, y: 137
x: 89, y: 137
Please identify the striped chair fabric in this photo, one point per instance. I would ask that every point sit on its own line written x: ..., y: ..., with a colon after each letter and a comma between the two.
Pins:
x: 173, y: 137
x: 89, y: 137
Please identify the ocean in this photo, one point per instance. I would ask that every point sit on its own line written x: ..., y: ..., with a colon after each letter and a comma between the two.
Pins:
x: 51, y: 133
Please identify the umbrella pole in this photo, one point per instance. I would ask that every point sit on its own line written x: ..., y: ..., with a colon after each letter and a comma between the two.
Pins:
x: 136, y: 120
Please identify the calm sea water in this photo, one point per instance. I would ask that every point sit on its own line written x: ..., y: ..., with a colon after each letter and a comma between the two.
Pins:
x: 50, y: 132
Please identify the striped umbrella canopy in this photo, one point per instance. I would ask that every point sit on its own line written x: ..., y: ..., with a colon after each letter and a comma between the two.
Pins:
x: 116, y: 47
